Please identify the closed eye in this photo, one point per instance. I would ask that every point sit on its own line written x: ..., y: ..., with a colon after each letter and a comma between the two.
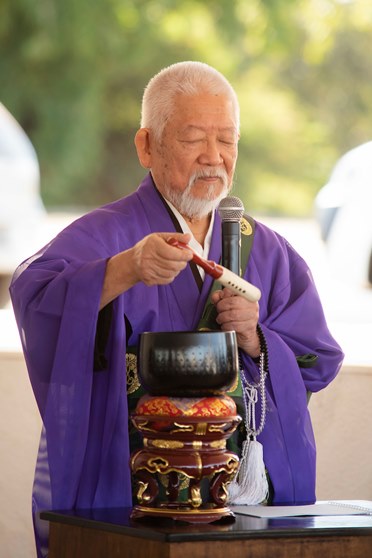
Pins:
x: 227, y: 142
x: 192, y: 141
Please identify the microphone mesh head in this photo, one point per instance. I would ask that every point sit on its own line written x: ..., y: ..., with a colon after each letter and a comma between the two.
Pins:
x: 231, y: 209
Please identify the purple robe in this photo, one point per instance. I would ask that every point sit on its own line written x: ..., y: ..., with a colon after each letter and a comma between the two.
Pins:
x: 83, y: 458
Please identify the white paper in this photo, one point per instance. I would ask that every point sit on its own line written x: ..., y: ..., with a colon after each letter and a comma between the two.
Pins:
x: 335, y: 507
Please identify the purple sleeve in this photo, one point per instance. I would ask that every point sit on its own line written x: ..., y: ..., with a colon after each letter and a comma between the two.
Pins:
x: 293, y: 323
x: 83, y: 458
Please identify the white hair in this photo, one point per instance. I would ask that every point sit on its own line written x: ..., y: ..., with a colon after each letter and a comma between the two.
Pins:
x: 186, y: 78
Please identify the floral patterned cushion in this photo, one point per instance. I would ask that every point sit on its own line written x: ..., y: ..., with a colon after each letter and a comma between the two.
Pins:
x: 162, y: 405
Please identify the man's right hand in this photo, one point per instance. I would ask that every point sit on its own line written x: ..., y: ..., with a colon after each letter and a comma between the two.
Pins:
x: 151, y: 261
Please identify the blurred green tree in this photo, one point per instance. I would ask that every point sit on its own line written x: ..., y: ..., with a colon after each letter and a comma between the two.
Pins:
x: 73, y: 74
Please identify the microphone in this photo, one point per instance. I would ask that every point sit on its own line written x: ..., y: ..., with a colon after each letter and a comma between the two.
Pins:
x: 231, y: 210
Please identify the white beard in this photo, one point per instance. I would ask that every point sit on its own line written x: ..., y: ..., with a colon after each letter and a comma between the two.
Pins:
x: 196, y: 208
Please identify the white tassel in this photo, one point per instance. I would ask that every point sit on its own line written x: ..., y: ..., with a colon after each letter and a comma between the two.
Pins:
x: 250, y: 486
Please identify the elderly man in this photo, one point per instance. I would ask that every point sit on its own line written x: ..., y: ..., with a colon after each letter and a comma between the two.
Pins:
x: 85, y: 297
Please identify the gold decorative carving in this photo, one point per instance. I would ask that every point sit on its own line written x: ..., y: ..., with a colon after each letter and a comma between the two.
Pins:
x: 218, y: 444
x: 184, y: 469
x: 133, y: 382
x: 199, y: 463
x: 142, y: 487
x: 218, y: 427
x: 224, y: 494
x: 184, y: 427
x: 141, y: 425
x: 230, y: 467
x: 168, y: 444
x: 196, y: 499
x: 201, y: 428
x: 232, y: 462
x: 158, y: 464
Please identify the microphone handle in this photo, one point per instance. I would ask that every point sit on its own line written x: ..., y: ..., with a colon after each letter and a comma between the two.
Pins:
x: 231, y: 242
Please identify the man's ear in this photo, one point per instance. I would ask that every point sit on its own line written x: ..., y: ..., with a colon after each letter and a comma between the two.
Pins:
x: 142, y: 143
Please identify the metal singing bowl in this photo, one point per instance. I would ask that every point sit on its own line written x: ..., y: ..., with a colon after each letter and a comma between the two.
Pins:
x: 188, y: 363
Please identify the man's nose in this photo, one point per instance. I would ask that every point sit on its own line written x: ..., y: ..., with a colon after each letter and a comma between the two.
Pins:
x: 211, y: 153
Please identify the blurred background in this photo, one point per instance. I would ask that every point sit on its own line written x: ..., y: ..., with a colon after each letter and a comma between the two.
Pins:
x: 72, y: 74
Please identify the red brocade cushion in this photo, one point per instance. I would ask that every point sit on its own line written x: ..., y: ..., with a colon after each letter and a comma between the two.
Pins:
x: 162, y: 405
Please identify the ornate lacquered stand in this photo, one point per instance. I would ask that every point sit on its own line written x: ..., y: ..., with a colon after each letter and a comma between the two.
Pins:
x: 183, y: 470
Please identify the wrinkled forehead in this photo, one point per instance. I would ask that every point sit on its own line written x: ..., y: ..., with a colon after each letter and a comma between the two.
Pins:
x: 204, y: 110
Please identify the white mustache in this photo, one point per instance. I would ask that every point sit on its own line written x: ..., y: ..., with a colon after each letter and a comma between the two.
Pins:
x: 207, y: 173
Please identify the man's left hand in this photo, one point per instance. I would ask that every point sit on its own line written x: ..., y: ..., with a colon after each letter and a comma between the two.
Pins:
x: 235, y: 313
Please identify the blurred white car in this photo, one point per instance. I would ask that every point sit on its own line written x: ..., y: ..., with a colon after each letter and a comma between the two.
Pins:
x: 343, y: 208
x: 21, y: 207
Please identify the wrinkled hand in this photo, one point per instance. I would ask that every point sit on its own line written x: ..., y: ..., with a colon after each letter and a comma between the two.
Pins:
x: 155, y: 262
x: 152, y: 260
x: 235, y: 313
